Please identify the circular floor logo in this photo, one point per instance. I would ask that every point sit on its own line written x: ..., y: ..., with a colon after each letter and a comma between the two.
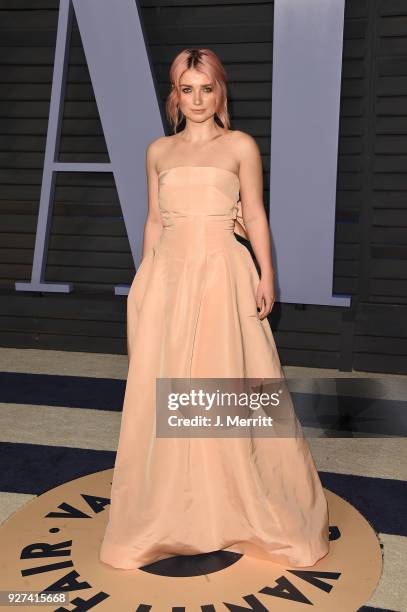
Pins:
x: 52, y: 544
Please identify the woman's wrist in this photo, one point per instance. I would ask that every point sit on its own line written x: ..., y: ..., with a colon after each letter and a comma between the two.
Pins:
x: 267, y: 272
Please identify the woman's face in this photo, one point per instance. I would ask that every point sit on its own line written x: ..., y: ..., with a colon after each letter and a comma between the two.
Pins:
x: 197, y: 98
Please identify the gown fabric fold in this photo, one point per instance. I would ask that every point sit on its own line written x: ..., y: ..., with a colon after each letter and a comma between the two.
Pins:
x: 191, y: 312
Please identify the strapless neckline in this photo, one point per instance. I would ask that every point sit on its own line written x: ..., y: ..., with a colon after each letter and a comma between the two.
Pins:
x: 200, y: 168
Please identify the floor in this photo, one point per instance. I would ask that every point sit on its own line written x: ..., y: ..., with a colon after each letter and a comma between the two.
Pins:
x: 40, y: 414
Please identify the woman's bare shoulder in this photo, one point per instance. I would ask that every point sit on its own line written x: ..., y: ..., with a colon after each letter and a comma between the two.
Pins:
x: 159, y: 143
x: 243, y: 138
x: 157, y: 149
x: 245, y: 146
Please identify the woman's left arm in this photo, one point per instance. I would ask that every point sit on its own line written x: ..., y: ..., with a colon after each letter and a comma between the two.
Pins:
x: 255, y: 218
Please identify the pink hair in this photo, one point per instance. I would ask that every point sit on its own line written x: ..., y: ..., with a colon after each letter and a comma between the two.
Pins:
x: 205, y: 61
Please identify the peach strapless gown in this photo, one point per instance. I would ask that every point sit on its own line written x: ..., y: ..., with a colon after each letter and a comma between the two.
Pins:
x: 191, y: 312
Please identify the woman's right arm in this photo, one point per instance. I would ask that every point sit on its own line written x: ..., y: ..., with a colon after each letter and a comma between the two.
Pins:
x: 153, y: 224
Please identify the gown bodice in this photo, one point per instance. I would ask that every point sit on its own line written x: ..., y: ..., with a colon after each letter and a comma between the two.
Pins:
x: 199, y: 195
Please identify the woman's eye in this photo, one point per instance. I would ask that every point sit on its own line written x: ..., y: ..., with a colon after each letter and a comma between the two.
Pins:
x: 188, y: 89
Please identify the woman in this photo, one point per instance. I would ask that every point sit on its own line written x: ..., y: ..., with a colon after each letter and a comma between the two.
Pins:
x: 198, y: 308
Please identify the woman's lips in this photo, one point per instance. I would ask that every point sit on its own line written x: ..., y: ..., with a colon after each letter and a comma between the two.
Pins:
x: 198, y: 110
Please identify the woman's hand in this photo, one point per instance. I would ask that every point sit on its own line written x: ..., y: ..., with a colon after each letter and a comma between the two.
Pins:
x: 265, y: 295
